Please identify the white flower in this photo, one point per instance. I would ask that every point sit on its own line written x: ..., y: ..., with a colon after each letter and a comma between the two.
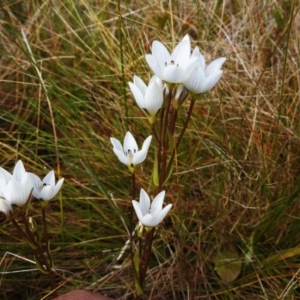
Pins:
x: 5, y: 206
x: 149, y: 99
x: 151, y: 215
x: 15, y: 188
x: 171, y: 68
x: 129, y: 154
x: 200, y: 79
x: 45, y: 189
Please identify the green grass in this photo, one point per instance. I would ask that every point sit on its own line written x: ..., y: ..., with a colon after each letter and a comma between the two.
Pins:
x: 236, y: 180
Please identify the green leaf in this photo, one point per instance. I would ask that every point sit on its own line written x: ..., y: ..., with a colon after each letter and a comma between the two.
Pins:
x: 228, y: 266
x: 155, y: 177
x: 169, y: 174
x: 136, y: 261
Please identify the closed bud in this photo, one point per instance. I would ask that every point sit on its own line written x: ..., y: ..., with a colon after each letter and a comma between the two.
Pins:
x: 32, y: 225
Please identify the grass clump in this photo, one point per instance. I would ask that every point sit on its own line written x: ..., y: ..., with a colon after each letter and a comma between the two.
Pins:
x: 235, y: 185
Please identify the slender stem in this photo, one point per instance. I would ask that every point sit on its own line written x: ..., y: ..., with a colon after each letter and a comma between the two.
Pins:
x: 161, y: 126
x: 173, y: 121
x: 165, y: 139
x: 146, y: 255
x: 153, y: 131
x: 136, y: 276
x: 46, y: 236
x: 38, y: 252
x: 21, y: 231
x: 181, y: 135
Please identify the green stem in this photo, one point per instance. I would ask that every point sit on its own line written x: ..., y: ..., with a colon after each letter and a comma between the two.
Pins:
x: 136, y: 276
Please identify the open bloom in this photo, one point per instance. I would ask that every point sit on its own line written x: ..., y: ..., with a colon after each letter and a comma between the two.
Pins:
x: 15, y: 188
x: 129, y: 154
x: 45, y: 189
x: 148, y: 98
x: 200, y: 79
x: 171, y: 67
x: 151, y: 215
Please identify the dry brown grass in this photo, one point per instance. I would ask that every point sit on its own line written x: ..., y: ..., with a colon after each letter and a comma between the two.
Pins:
x: 236, y: 181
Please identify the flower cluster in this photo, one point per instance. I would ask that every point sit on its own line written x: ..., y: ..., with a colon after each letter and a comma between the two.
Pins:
x: 181, y: 71
x: 176, y: 76
x: 182, y: 67
x: 17, y: 187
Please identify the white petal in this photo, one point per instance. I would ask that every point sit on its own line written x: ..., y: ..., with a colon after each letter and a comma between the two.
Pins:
x: 49, y: 179
x: 159, y: 58
x: 156, y: 79
x: 153, y: 98
x: 59, y: 184
x: 140, y: 84
x: 138, y: 96
x: 195, y: 81
x: 160, y: 54
x: 140, y: 156
x: 148, y: 220
x: 186, y: 38
x: 211, y: 81
x: 49, y: 191
x: 200, y: 58
x: 116, y: 144
x: 130, y: 145
x: 163, y: 213
x: 181, y: 53
x: 137, y: 209
x: 173, y: 74
x: 215, y: 66
x: 156, y: 205
x: 121, y: 156
x: 18, y: 192
x: 144, y: 202
x: 5, y: 176
x: 19, y: 171
x: 147, y: 143
x: 156, y: 69
x: 37, y: 185
x: 5, y: 207
x: 190, y: 67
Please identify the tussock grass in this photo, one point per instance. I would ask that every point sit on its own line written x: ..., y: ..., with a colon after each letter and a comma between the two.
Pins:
x: 236, y: 180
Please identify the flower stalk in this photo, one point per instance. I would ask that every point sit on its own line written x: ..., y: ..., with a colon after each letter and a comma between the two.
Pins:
x: 178, y: 74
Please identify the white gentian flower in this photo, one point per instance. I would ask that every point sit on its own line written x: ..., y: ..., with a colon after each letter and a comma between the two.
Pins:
x: 5, y: 206
x: 200, y: 79
x: 148, y: 98
x: 129, y: 154
x: 151, y: 215
x: 15, y: 188
x: 171, y: 67
x: 45, y: 189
